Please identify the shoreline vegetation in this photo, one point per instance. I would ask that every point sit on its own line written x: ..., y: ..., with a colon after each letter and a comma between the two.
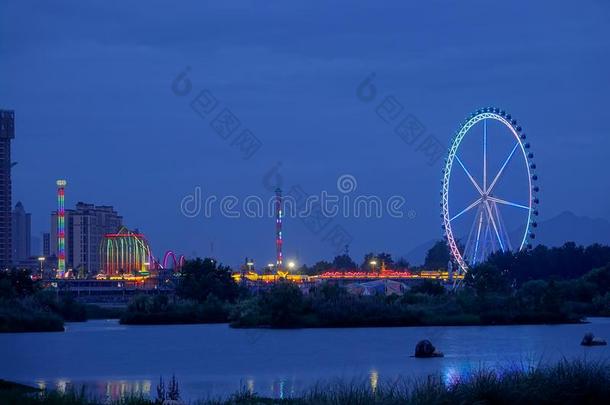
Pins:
x: 567, y: 382
x: 26, y: 307
x: 573, y: 283
x: 489, y: 297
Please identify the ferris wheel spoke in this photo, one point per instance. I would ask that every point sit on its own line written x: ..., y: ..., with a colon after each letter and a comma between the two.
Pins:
x: 503, y: 229
x: 474, y: 182
x: 493, y: 224
x: 485, y: 155
x: 501, y: 201
x: 495, y: 180
x: 476, y: 246
x: 468, y: 247
x: 471, y: 206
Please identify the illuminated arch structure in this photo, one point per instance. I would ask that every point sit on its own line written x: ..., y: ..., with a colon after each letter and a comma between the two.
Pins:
x: 178, y: 263
x: 125, y: 253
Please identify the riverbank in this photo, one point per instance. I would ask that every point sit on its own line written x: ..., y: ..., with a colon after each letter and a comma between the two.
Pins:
x: 45, y: 313
x: 566, y: 382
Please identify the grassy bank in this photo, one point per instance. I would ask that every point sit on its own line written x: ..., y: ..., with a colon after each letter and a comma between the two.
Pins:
x: 25, y: 307
x: 28, y: 315
x: 564, y: 383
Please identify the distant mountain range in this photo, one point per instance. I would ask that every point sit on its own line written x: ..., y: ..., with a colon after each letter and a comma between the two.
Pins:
x: 565, y: 227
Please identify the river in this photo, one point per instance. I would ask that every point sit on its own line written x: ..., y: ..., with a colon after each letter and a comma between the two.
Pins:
x: 214, y: 360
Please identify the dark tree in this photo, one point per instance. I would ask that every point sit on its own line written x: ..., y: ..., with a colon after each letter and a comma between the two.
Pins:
x: 200, y: 278
x: 284, y: 304
x: 430, y: 287
x: 487, y: 278
x: 600, y: 278
x: 385, y: 258
x: 16, y: 283
x: 344, y: 262
x: 402, y: 263
x: 366, y: 262
x: 320, y: 267
x: 381, y: 257
x: 437, y: 257
x: 566, y: 262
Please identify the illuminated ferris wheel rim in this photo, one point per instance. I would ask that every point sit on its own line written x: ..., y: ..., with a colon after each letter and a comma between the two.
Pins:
x: 485, y: 192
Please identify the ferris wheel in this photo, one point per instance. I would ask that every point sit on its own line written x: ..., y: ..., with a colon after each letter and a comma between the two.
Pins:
x: 488, y: 195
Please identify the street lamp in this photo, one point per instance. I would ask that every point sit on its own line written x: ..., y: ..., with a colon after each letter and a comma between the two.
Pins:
x: 291, y: 265
x: 373, y: 263
x: 41, y: 260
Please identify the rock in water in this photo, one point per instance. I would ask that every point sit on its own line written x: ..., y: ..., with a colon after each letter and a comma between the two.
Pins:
x: 590, y: 340
x: 425, y: 348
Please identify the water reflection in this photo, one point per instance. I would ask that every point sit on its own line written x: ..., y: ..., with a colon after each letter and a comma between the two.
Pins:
x: 282, y: 388
x: 373, y: 380
x: 457, y: 371
x: 110, y: 390
x: 250, y: 386
x: 62, y: 385
x: 120, y: 389
x: 452, y: 374
x: 348, y: 357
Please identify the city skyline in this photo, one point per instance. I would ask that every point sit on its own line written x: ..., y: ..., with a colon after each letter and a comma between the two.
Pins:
x: 118, y: 109
x: 304, y: 202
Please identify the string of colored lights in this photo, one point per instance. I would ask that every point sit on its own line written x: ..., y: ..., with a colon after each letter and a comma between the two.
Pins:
x: 353, y: 275
x: 125, y: 252
x: 61, y: 238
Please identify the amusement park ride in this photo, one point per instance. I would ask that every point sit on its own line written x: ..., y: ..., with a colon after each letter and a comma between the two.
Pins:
x: 127, y: 255
x: 501, y: 214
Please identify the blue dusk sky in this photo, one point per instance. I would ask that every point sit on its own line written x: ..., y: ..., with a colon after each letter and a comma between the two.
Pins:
x: 92, y: 86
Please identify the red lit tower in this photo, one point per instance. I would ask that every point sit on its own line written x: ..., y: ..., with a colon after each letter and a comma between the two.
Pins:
x: 279, y: 261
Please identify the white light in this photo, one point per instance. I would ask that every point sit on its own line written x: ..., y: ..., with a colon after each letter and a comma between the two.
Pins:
x: 291, y: 265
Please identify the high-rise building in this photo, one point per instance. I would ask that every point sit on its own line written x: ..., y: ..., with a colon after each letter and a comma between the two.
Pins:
x: 46, y: 244
x: 35, y: 248
x: 7, y: 133
x: 21, y: 234
x: 85, y: 227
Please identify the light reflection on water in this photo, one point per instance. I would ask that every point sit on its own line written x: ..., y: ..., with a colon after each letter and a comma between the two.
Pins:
x: 373, y: 380
x: 101, y: 389
x: 111, y: 390
x: 212, y: 361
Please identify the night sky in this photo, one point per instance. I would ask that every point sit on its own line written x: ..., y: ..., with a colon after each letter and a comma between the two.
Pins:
x: 91, y: 85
